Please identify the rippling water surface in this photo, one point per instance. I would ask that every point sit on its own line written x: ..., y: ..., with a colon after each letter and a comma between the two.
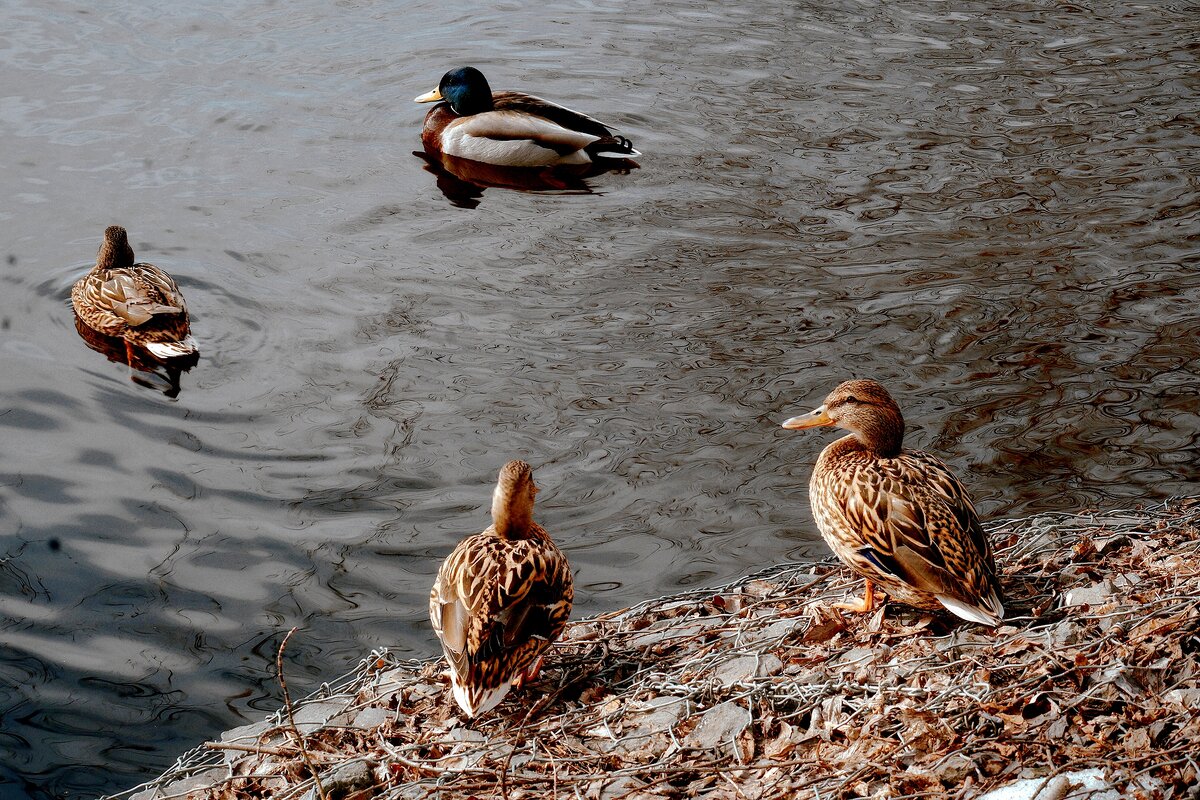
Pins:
x: 991, y: 209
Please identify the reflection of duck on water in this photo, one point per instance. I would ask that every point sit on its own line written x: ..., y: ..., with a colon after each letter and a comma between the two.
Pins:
x: 899, y: 518
x: 512, y: 129
x: 463, y: 181
x: 145, y: 370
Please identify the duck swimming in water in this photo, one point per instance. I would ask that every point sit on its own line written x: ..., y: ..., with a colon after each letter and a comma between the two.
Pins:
x: 512, y: 129
x: 137, y: 302
x: 500, y: 597
x: 899, y: 518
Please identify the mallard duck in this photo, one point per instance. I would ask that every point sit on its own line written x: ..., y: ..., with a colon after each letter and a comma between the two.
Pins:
x: 899, y: 518
x: 512, y: 129
x: 500, y: 598
x: 137, y: 302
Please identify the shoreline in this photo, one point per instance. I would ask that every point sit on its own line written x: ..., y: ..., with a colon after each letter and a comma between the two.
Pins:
x: 760, y: 689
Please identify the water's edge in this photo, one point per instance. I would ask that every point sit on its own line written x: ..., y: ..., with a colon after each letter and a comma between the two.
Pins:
x: 707, y: 679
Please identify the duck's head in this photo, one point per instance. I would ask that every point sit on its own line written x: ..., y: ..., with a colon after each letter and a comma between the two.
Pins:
x: 115, y: 250
x: 864, y: 408
x: 465, y: 89
x: 512, y: 500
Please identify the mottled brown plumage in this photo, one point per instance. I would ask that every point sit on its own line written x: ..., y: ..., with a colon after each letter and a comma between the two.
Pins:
x: 899, y: 518
x: 137, y: 302
x: 501, y: 597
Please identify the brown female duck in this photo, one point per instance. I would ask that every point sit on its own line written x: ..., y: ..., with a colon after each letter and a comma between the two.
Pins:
x: 500, y: 598
x: 899, y: 518
x: 137, y: 302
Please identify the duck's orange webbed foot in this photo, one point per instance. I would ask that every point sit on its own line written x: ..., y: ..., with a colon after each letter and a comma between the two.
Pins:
x: 863, y: 605
x: 529, y: 673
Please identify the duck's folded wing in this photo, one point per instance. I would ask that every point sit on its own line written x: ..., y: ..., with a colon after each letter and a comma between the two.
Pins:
x: 536, y: 595
x: 920, y: 526
x: 159, y: 286
x: 516, y: 126
x: 137, y: 300
x: 561, y: 115
x: 490, y: 599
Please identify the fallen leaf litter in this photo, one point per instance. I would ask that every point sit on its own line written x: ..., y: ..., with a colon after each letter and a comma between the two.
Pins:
x: 759, y: 689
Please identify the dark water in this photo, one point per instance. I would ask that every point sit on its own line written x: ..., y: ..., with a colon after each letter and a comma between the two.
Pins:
x: 993, y: 210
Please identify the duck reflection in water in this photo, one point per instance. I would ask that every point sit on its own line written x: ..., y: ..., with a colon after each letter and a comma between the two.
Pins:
x: 144, y: 369
x: 463, y: 181
x: 475, y: 138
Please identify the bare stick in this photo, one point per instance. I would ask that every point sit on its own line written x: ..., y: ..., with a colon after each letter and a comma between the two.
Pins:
x: 247, y: 748
x: 287, y: 705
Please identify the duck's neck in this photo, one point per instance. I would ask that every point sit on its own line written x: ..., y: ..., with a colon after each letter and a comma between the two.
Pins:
x: 473, y: 102
x: 512, y: 512
x: 114, y: 256
x: 882, y: 434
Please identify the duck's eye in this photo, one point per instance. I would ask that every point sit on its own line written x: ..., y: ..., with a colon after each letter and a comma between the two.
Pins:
x: 852, y: 399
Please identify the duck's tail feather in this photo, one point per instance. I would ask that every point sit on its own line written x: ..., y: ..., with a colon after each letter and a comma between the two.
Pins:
x: 475, y: 701
x: 184, y: 347
x: 612, y: 147
x: 989, y: 611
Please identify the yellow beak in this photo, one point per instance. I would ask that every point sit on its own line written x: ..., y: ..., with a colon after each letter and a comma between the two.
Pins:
x: 429, y: 97
x: 814, y: 419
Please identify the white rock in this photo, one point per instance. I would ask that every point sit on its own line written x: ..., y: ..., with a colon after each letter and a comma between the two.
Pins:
x: 1088, y: 783
x: 1095, y: 595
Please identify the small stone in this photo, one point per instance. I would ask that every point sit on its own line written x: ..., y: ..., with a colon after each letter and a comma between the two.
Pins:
x: 1095, y: 595
x: 858, y: 656
x: 201, y: 780
x: 1083, y: 783
x: 1185, y: 698
x: 371, y: 718
x: 668, y: 629
x: 247, y: 734
x: 645, y: 730
x: 461, y: 734
x: 344, y: 779
x: 251, y: 735
x: 747, y: 667
x: 314, y: 716
x: 660, y: 714
x: 719, y: 726
x: 776, y: 630
x: 736, y: 670
x: 622, y: 788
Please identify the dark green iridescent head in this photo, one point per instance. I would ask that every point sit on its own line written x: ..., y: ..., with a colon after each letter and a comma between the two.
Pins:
x: 466, y: 90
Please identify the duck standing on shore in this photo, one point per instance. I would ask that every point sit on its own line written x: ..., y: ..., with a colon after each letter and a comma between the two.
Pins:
x: 512, y: 129
x: 899, y: 518
x: 500, y: 597
x: 137, y: 302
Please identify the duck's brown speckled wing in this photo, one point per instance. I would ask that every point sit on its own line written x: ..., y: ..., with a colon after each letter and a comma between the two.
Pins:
x: 495, y: 606
x: 127, y: 297
x: 141, y: 303
x: 916, y: 524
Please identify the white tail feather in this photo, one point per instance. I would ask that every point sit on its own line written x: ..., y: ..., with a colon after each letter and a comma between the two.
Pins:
x: 487, y: 701
x: 184, y: 347
x: 984, y: 616
x: 615, y: 154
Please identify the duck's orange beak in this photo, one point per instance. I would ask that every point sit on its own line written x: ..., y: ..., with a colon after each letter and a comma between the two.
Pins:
x: 813, y: 419
x: 429, y: 97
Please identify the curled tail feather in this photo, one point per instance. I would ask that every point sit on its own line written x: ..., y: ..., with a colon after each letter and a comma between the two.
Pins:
x: 612, y: 147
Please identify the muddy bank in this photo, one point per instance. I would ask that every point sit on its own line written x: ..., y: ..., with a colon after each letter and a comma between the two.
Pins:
x: 759, y: 689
